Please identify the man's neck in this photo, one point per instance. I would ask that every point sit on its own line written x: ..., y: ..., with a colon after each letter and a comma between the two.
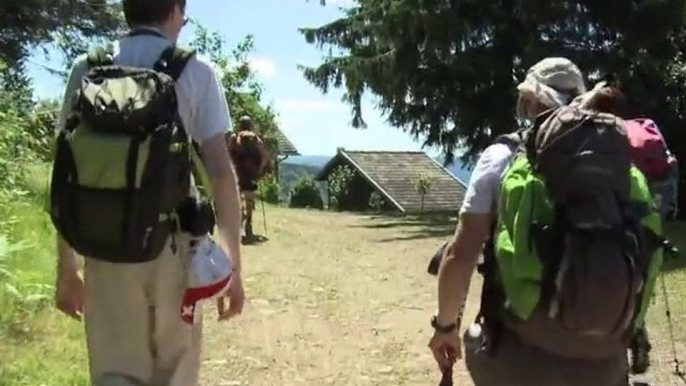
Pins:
x: 159, y: 29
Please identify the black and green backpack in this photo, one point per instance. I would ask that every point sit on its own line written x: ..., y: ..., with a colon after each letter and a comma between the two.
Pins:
x: 577, y: 244
x: 123, y: 162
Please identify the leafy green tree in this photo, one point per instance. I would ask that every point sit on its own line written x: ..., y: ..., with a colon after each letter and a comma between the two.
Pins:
x: 243, y: 91
x: 422, y: 185
x: 69, y: 25
x: 445, y: 71
x: 14, y: 151
x: 270, y: 190
x: 306, y: 194
x: 339, y: 182
x: 40, y: 128
x: 16, y: 86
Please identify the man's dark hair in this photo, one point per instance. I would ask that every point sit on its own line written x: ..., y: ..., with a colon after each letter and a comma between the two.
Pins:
x: 150, y: 12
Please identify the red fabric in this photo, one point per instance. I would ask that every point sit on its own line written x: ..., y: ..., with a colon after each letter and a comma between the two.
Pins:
x: 194, y: 295
x: 648, y: 148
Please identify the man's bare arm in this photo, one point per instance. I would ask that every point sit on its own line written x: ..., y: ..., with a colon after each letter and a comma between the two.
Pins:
x: 67, y: 263
x: 226, y: 196
x: 455, y: 273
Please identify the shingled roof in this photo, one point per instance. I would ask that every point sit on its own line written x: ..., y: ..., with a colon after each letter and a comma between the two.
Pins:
x: 286, y: 147
x: 392, y: 174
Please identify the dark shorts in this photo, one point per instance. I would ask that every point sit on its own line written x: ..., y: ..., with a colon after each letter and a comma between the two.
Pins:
x: 247, y: 185
x: 515, y: 364
x: 247, y: 182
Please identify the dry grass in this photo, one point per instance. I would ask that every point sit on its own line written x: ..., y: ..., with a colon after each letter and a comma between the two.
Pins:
x: 331, y: 303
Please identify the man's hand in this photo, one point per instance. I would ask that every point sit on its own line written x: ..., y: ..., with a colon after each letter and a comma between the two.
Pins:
x: 69, y: 295
x: 236, y: 297
x: 446, y: 348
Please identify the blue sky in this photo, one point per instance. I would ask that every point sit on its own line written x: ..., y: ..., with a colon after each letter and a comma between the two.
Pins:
x: 317, y: 124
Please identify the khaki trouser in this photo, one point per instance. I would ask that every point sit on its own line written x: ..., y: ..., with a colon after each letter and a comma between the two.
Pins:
x: 517, y: 365
x: 134, y: 331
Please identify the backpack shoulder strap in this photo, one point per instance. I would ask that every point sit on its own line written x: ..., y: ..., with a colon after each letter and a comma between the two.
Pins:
x: 173, y: 61
x: 99, y: 56
x: 517, y: 139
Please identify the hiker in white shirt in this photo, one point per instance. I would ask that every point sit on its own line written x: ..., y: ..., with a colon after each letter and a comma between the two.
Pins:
x: 549, y: 84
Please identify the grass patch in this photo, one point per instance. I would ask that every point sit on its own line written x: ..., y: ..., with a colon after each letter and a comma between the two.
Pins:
x: 38, y: 346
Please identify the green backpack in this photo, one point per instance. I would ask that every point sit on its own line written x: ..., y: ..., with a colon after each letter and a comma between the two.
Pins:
x: 576, y: 247
x: 123, y: 163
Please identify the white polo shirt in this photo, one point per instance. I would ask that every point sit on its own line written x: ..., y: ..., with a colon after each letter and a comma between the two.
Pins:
x: 202, y: 103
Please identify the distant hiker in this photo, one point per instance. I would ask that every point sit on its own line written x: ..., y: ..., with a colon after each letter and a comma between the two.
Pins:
x: 658, y: 164
x: 251, y: 159
x: 123, y: 196
x: 551, y: 312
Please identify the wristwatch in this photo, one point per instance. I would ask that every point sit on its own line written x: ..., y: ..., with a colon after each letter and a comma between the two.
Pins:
x: 443, y: 329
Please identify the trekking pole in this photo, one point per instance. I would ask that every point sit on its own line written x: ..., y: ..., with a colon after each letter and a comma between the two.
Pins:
x: 670, y: 327
x: 264, y: 213
x: 264, y: 219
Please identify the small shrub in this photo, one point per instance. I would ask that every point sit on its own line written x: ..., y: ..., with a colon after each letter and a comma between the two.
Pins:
x: 40, y: 128
x: 422, y: 185
x: 339, y: 185
x: 270, y: 189
x: 306, y: 194
x: 14, y: 152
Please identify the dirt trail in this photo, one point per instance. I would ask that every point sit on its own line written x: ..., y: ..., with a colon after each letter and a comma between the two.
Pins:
x: 333, y: 301
x: 338, y: 299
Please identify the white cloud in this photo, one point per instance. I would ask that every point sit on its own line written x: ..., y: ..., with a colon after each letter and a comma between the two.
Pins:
x: 265, y: 67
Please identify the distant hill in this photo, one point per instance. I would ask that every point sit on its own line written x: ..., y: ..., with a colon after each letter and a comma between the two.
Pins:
x: 310, y: 160
x: 289, y: 172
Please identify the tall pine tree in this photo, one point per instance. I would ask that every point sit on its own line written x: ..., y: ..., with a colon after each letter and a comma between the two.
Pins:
x: 445, y: 70
x: 27, y: 24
